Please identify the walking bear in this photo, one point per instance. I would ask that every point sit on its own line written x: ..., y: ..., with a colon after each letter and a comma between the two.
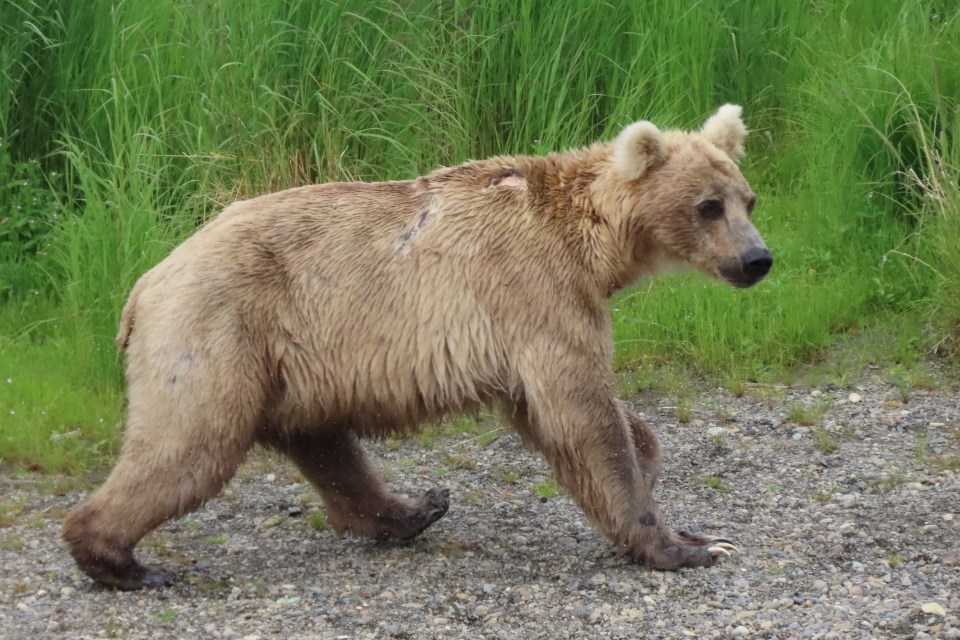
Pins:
x: 308, y: 319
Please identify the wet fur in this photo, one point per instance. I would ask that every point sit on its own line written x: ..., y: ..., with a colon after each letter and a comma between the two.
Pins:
x: 306, y: 319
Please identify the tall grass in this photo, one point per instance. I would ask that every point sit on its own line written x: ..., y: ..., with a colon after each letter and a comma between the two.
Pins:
x: 126, y: 124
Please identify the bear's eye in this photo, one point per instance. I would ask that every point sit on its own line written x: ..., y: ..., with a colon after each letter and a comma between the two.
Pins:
x: 751, y: 204
x: 711, y: 209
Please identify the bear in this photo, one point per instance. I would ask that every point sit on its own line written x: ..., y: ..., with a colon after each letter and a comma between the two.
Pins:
x: 309, y: 319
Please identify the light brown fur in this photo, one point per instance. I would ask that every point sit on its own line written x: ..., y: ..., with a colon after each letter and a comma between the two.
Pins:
x: 308, y: 318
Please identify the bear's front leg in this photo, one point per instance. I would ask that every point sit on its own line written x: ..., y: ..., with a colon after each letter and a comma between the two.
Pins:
x: 647, y: 448
x: 592, y: 443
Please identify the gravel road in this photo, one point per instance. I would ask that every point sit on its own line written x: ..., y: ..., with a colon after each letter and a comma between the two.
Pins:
x: 848, y: 528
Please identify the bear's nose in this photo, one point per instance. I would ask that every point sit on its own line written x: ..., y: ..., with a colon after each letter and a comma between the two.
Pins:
x: 756, y: 262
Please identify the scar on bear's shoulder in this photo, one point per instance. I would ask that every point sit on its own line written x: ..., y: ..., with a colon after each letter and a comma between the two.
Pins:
x: 508, y: 177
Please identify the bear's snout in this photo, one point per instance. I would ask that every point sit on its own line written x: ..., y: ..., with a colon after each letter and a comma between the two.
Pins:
x: 747, y: 270
x: 756, y: 263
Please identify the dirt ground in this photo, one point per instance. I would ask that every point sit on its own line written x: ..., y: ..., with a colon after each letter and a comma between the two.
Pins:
x: 848, y: 527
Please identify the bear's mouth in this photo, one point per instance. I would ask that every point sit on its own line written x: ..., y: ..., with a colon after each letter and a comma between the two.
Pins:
x: 743, y: 283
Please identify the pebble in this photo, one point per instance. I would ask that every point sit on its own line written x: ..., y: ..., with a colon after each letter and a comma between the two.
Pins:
x: 934, y: 609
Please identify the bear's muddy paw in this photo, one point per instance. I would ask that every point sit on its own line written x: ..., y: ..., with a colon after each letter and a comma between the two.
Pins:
x: 678, y: 553
x: 431, y: 506
x: 132, y: 576
x: 155, y: 577
x: 675, y: 557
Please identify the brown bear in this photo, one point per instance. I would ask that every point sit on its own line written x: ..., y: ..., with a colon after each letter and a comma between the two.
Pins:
x: 308, y: 319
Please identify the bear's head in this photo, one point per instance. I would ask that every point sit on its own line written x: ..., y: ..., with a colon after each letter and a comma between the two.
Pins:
x: 685, y: 200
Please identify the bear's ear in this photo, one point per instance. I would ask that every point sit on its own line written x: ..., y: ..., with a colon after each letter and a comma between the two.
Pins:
x: 638, y: 148
x: 726, y: 130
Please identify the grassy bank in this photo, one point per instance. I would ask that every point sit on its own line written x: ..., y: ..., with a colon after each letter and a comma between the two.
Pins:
x: 126, y: 124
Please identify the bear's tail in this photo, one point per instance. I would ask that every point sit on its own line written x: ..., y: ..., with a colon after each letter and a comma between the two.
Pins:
x: 127, y: 316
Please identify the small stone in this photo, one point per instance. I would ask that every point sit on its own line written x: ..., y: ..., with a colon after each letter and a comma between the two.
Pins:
x: 716, y: 432
x: 847, y: 500
x: 740, y: 632
x: 66, y: 592
x: 906, y: 581
x: 766, y: 624
x: 816, y: 393
x: 854, y: 397
x: 934, y: 609
x: 271, y: 477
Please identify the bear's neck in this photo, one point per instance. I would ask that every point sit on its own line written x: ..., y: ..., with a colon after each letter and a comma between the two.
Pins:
x: 573, y: 188
x: 623, y: 248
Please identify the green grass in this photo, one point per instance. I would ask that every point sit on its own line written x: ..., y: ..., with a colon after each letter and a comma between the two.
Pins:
x: 546, y: 489
x: 125, y: 125
x: 50, y: 419
x: 317, y: 521
x: 806, y: 414
x: 716, y: 483
x: 825, y: 442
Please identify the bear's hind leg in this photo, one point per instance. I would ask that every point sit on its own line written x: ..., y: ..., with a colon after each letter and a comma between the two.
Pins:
x: 142, y: 492
x: 357, y: 501
x: 176, y: 455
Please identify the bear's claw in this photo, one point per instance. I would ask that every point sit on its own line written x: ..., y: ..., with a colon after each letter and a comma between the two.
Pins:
x: 705, y: 541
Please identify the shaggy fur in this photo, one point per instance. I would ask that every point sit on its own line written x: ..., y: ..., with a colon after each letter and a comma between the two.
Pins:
x: 306, y: 319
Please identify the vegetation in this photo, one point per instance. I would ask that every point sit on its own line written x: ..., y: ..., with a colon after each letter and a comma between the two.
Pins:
x: 126, y: 124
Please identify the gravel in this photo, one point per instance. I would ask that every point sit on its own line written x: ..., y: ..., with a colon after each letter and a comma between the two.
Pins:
x: 848, y: 528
